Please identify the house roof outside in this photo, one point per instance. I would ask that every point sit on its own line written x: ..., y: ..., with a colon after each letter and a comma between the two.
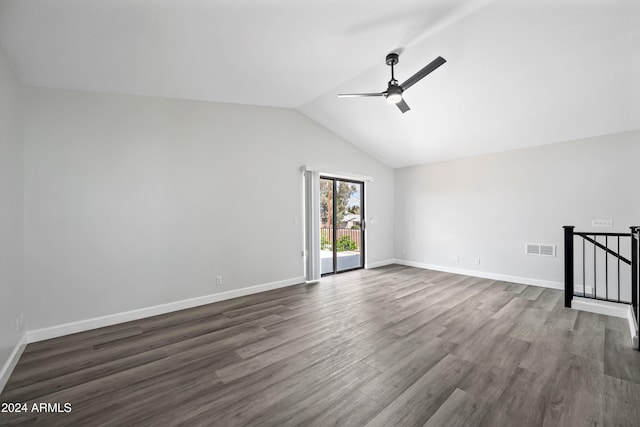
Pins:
x: 351, y: 218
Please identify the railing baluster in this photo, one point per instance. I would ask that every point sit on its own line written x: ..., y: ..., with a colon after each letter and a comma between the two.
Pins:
x: 584, y: 278
x: 606, y: 267
x: 634, y: 269
x: 618, y: 270
x: 595, y: 275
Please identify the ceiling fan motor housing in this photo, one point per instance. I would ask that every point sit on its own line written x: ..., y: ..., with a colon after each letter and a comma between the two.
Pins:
x: 394, y: 93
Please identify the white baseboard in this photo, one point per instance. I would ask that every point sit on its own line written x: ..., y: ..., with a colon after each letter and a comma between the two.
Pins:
x: 127, y: 316
x: 11, y: 363
x: 615, y: 309
x: 633, y: 328
x: 485, y: 275
x: 379, y: 263
x: 601, y: 307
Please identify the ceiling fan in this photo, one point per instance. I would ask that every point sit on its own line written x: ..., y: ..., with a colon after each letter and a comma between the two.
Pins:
x: 394, y: 90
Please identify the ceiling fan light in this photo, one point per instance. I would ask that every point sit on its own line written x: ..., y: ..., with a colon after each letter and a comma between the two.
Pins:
x: 394, y: 98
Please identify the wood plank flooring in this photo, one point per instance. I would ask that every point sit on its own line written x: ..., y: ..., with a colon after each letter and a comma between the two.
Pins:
x: 393, y: 346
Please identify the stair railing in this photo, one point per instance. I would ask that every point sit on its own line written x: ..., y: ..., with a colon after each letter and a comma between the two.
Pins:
x: 605, y: 251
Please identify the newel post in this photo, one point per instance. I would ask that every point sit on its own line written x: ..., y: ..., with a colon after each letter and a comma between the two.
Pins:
x: 634, y: 268
x: 568, y: 264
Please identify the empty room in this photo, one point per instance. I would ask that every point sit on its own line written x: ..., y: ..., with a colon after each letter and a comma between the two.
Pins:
x: 319, y: 213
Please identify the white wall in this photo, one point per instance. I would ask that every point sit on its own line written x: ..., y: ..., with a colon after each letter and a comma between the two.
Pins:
x: 133, y: 202
x: 11, y: 212
x: 489, y: 206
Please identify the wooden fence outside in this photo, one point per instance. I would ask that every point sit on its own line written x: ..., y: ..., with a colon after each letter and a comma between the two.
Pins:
x: 353, y: 233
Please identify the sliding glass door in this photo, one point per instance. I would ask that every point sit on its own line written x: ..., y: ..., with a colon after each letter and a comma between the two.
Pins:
x: 341, y: 225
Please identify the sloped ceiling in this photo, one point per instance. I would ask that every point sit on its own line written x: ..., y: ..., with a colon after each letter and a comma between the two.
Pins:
x: 519, y: 72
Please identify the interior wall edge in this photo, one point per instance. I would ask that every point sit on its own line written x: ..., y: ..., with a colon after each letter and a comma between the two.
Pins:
x: 12, y: 225
x: 12, y: 361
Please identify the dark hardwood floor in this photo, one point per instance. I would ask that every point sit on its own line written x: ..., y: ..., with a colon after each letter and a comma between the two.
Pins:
x: 394, y: 346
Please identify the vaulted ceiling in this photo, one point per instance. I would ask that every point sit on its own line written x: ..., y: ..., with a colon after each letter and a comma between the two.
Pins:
x: 518, y: 72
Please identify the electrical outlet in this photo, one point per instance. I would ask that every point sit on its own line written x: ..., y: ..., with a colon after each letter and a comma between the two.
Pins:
x: 602, y: 223
x: 456, y: 258
x: 18, y: 324
x: 21, y: 319
x: 477, y: 261
x: 219, y: 280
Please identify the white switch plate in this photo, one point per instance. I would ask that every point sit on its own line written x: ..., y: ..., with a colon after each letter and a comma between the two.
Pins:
x: 602, y: 223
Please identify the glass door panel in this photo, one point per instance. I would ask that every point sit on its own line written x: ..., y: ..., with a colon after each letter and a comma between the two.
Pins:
x: 341, y: 219
x: 348, y: 225
x: 326, y: 226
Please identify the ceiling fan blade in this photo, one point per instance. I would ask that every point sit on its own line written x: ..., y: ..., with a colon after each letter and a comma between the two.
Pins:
x: 403, y: 106
x: 359, y: 95
x: 423, y: 72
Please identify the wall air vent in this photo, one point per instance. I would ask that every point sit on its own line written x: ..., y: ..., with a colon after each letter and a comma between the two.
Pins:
x: 540, y: 249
